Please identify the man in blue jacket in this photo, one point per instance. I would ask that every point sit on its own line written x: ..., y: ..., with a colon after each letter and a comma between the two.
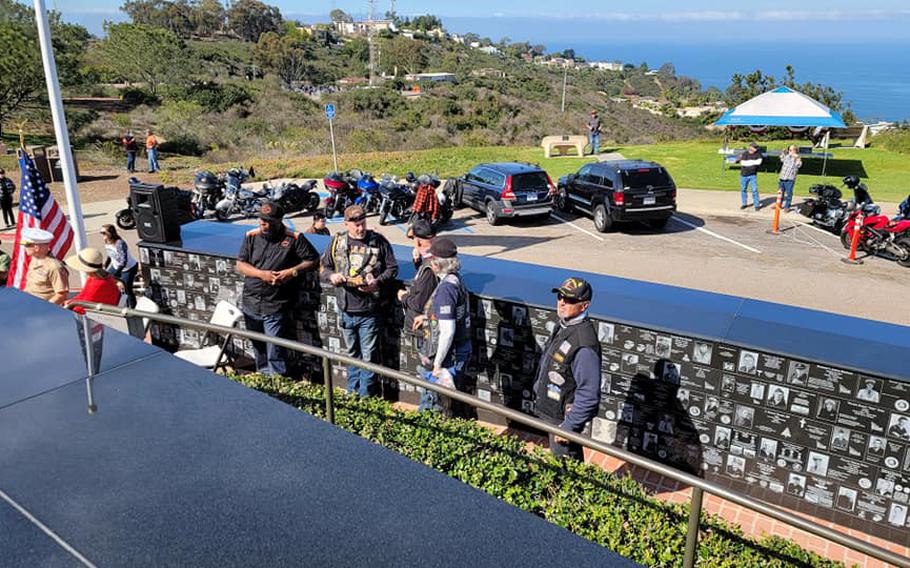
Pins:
x: 567, y: 389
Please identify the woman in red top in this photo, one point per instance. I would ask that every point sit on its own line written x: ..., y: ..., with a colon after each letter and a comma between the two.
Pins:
x: 100, y: 287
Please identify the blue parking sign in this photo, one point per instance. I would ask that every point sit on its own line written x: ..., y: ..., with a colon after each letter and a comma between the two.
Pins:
x: 330, y: 111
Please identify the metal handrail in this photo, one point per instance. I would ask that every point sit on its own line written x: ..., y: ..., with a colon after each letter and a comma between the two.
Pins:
x: 699, y: 486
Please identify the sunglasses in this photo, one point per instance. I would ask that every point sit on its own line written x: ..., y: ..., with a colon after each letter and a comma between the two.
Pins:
x: 565, y: 299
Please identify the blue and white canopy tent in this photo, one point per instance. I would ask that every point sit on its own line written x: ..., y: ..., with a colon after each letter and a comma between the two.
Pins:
x: 783, y: 107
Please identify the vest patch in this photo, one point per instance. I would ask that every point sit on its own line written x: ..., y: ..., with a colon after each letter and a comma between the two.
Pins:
x: 554, y: 392
x: 565, y: 347
x: 558, y: 357
x: 556, y: 378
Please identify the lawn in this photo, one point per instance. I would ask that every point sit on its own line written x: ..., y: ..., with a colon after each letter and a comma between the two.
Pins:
x: 693, y: 165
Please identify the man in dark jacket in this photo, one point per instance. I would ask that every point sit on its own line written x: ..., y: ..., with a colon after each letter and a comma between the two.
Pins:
x: 318, y: 227
x: 749, y: 162
x: 7, y: 189
x: 567, y: 389
x: 415, y: 298
x: 271, y: 258
x: 359, y: 263
x: 131, y: 147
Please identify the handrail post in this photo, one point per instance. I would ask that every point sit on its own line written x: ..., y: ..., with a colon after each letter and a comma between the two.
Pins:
x: 329, y: 392
x: 89, y: 363
x: 692, y: 532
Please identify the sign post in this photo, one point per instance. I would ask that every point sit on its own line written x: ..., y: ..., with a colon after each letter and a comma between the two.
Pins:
x: 330, y: 114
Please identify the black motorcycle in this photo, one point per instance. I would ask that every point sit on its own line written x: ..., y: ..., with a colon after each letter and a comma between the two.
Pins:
x: 208, y: 190
x: 343, y: 191
x: 445, y: 200
x: 828, y: 211
x: 125, y: 218
x: 293, y: 197
x: 396, y: 198
x: 238, y: 200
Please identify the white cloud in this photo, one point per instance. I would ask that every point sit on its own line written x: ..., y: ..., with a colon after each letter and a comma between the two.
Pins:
x: 742, y: 16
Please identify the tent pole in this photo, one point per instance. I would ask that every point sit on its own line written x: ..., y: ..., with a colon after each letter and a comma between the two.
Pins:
x: 825, y: 157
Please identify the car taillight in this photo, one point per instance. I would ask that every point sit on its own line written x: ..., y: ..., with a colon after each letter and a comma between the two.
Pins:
x: 508, y: 194
x: 673, y: 193
x: 619, y: 199
x: 552, y: 190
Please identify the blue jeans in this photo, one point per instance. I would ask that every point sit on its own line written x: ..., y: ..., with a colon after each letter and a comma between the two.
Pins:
x: 787, y: 186
x: 430, y: 400
x: 594, y: 141
x: 269, y: 357
x: 744, y: 182
x: 360, y: 336
x: 153, y: 159
x: 127, y: 277
x: 131, y: 162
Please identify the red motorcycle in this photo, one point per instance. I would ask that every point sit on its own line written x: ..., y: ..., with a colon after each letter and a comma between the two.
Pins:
x: 879, y: 235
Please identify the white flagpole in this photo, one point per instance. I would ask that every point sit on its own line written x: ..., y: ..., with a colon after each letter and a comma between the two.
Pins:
x: 63, y: 137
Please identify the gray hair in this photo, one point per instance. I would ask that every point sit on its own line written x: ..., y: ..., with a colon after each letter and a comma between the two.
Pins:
x: 443, y: 266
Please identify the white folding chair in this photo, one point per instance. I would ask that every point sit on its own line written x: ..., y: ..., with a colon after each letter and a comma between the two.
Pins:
x: 227, y: 315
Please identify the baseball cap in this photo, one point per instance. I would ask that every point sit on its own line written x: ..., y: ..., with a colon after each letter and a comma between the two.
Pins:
x: 317, y: 216
x: 271, y: 211
x: 35, y: 236
x: 423, y: 229
x: 443, y: 248
x: 575, y: 288
x: 753, y: 145
x: 354, y: 213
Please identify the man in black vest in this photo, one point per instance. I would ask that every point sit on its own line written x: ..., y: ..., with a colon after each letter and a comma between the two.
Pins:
x: 414, y: 299
x: 567, y: 389
x: 359, y: 263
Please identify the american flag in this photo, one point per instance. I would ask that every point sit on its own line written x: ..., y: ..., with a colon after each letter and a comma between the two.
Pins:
x: 37, y: 208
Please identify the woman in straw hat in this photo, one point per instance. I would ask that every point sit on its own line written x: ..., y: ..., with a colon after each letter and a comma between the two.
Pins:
x: 100, y: 287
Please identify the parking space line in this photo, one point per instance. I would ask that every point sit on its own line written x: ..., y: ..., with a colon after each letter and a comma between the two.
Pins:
x: 715, y: 235
x: 574, y: 226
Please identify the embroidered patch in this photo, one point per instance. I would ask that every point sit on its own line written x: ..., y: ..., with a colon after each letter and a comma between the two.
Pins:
x: 285, y: 243
x: 554, y: 392
x: 556, y: 378
x: 445, y: 310
x: 558, y: 357
x: 564, y: 347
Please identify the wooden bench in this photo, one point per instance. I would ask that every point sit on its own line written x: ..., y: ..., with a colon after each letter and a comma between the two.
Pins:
x: 563, y: 144
x: 859, y: 135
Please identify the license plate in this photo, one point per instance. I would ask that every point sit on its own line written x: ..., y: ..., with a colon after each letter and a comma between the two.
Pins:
x: 531, y: 197
x: 650, y: 200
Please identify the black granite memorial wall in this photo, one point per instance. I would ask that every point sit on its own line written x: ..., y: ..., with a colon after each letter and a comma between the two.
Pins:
x: 809, y: 436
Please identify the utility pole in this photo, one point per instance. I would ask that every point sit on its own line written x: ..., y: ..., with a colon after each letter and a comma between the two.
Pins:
x: 565, y: 79
x: 374, y: 47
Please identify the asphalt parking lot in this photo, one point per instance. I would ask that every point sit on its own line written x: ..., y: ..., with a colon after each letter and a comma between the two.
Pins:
x: 708, y: 245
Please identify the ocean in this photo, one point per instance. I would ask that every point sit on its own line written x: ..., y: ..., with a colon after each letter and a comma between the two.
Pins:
x: 874, y: 78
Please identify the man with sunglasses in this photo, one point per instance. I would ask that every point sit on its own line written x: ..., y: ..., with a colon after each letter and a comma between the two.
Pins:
x: 359, y: 263
x: 567, y: 388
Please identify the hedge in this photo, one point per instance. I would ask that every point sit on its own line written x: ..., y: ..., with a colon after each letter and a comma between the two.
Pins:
x: 615, y: 512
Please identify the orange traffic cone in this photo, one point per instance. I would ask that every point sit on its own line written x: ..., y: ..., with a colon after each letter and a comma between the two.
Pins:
x: 775, y: 225
x: 854, y: 243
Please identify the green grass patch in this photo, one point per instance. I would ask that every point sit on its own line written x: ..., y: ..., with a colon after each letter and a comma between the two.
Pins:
x: 585, y: 499
x: 694, y: 165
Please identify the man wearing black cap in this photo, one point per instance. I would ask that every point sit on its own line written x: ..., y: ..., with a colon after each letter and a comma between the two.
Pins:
x: 271, y: 258
x: 415, y: 298
x: 567, y: 389
x: 446, y: 327
x: 359, y: 262
x: 318, y: 227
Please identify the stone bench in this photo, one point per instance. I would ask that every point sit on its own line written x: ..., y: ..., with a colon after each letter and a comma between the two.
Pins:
x: 563, y: 144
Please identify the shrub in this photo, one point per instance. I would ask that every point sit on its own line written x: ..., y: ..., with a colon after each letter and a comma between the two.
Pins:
x: 896, y: 140
x: 212, y: 97
x: 587, y: 500
x: 136, y: 96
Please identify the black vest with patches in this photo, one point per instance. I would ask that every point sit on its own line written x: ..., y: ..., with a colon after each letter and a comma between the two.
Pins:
x: 555, y: 384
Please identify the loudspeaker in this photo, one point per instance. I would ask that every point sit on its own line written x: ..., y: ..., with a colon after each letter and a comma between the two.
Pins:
x: 155, y: 210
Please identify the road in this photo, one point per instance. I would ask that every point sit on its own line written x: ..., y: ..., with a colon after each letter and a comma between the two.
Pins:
x: 709, y: 245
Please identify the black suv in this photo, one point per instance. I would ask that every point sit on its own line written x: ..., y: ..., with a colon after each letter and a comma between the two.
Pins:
x: 619, y: 190
x: 505, y: 190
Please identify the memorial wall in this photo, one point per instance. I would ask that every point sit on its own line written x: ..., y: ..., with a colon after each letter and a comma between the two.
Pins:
x: 799, y: 428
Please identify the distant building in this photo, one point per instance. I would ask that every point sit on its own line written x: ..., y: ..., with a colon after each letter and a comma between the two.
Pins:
x: 353, y: 81
x: 430, y: 77
x: 606, y: 65
x: 363, y: 28
x: 491, y: 50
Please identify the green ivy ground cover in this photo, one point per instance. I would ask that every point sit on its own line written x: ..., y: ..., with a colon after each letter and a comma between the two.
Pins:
x: 585, y: 499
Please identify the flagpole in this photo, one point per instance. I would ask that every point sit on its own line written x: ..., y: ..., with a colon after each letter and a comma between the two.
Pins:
x: 62, y: 134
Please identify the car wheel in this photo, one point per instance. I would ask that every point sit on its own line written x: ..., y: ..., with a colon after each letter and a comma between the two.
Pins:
x: 658, y: 224
x: 562, y: 200
x: 492, y: 217
x: 602, y: 220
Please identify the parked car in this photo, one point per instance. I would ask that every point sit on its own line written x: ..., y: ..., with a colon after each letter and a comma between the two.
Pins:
x: 506, y: 190
x: 619, y: 190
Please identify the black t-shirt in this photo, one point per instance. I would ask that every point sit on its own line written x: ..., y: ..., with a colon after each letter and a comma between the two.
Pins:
x: 7, y: 189
x: 260, y: 297
x: 373, y: 254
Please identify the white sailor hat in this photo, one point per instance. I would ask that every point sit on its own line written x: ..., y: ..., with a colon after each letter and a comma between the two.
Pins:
x: 35, y: 236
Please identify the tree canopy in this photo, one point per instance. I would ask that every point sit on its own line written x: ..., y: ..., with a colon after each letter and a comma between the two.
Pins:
x: 249, y: 19
x: 143, y: 54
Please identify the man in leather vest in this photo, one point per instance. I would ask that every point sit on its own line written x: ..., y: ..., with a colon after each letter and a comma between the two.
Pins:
x: 359, y: 263
x: 567, y: 388
x: 415, y: 298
